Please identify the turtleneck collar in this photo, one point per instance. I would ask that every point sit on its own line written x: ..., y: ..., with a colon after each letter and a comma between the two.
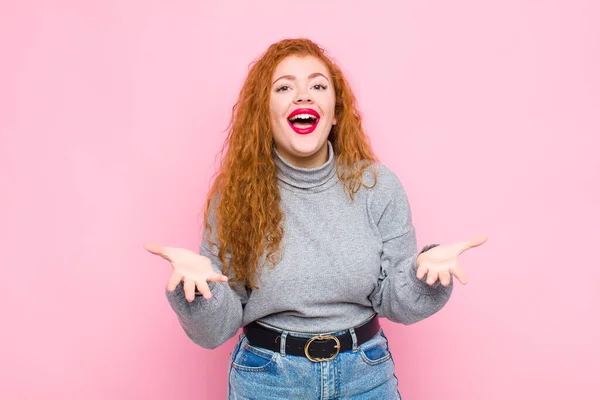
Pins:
x: 306, y: 179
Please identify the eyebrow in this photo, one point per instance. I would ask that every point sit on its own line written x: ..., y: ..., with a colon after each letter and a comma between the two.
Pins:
x: 293, y: 78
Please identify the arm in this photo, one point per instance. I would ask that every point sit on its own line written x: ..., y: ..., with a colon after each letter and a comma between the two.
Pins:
x: 400, y: 296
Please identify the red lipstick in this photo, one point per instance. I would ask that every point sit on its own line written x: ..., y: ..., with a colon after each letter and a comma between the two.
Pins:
x: 306, y: 116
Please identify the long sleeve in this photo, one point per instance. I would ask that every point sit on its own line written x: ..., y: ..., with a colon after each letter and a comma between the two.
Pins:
x: 400, y: 296
x: 210, y: 323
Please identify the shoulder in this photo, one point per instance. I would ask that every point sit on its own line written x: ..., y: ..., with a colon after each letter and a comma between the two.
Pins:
x: 382, y: 180
x: 385, y: 191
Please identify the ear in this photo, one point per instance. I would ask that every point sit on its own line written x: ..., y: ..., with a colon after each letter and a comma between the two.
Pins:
x: 334, y: 121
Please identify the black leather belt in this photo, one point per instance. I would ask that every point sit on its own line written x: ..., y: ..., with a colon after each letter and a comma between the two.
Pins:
x: 316, y: 348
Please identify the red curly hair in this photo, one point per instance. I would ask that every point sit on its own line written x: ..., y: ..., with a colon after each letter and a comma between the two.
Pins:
x: 244, y: 197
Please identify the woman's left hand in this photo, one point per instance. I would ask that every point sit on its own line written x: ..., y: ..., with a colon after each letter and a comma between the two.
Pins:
x: 442, y: 261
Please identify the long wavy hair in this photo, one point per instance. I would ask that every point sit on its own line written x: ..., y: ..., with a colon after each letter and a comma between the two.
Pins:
x: 244, y: 198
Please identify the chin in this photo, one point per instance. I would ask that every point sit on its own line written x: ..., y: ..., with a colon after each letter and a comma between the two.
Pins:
x: 298, y: 145
x: 306, y: 146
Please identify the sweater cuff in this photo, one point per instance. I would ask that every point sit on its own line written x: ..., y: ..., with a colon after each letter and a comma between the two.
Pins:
x: 187, y: 309
x: 179, y: 293
x: 211, y: 286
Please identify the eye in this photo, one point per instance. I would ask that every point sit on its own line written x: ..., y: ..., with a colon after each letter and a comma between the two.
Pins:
x: 318, y: 86
x: 283, y: 88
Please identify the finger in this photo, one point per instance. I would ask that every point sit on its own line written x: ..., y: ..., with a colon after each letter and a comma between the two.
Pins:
x: 217, y: 278
x: 459, y: 274
x: 189, y: 287
x: 173, y: 281
x: 432, y: 277
x: 421, y: 272
x: 154, y: 248
x: 158, y: 250
x: 473, y: 242
x: 445, y: 278
x: 478, y: 240
x: 204, y: 289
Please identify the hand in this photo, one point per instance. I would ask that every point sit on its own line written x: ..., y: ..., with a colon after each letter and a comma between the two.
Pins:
x: 195, y: 270
x: 442, y: 261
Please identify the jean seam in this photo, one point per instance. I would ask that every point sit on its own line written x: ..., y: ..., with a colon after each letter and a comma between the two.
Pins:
x: 235, y: 352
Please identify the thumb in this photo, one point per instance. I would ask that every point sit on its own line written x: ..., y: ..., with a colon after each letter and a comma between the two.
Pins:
x: 157, y: 249
x: 478, y: 240
x: 472, y: 242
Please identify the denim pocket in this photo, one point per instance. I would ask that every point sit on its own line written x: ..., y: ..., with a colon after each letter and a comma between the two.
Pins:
x: 253, y: 359
x: 375, y: 350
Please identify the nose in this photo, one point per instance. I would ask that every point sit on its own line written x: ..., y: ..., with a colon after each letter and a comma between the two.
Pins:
x: 303, y: 97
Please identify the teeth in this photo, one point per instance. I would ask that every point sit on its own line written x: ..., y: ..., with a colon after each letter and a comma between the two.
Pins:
x: 302, y: 116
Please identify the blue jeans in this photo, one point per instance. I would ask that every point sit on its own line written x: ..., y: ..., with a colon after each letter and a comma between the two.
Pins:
x: 365, y: 372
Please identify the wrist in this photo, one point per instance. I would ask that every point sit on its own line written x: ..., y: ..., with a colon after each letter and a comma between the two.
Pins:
x: 425, y: 249
x: 428, y: 247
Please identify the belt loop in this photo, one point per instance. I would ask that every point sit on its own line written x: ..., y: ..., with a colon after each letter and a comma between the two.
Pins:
x: 282, y: 343
x: 354, y: 340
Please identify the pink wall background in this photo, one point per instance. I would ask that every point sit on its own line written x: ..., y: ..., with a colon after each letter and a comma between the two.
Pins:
x: 112, y: 113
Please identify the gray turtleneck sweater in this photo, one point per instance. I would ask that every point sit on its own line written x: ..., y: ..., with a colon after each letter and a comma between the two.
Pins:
x: 342, y: 260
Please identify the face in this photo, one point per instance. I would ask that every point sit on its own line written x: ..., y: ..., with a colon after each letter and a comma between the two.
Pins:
x: 302, y: 107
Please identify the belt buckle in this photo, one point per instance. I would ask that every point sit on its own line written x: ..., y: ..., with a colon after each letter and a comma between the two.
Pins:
x: 322, y: 337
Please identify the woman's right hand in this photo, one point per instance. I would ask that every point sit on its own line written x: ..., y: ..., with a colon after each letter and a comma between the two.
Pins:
x: 194, y: 269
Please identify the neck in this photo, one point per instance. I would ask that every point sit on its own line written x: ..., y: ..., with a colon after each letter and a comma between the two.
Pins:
x: 301, y: 178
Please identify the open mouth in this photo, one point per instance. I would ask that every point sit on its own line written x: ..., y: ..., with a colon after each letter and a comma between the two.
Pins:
x: 304, y: 121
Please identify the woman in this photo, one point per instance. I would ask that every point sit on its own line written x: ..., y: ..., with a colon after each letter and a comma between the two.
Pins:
x: 307, y: 241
